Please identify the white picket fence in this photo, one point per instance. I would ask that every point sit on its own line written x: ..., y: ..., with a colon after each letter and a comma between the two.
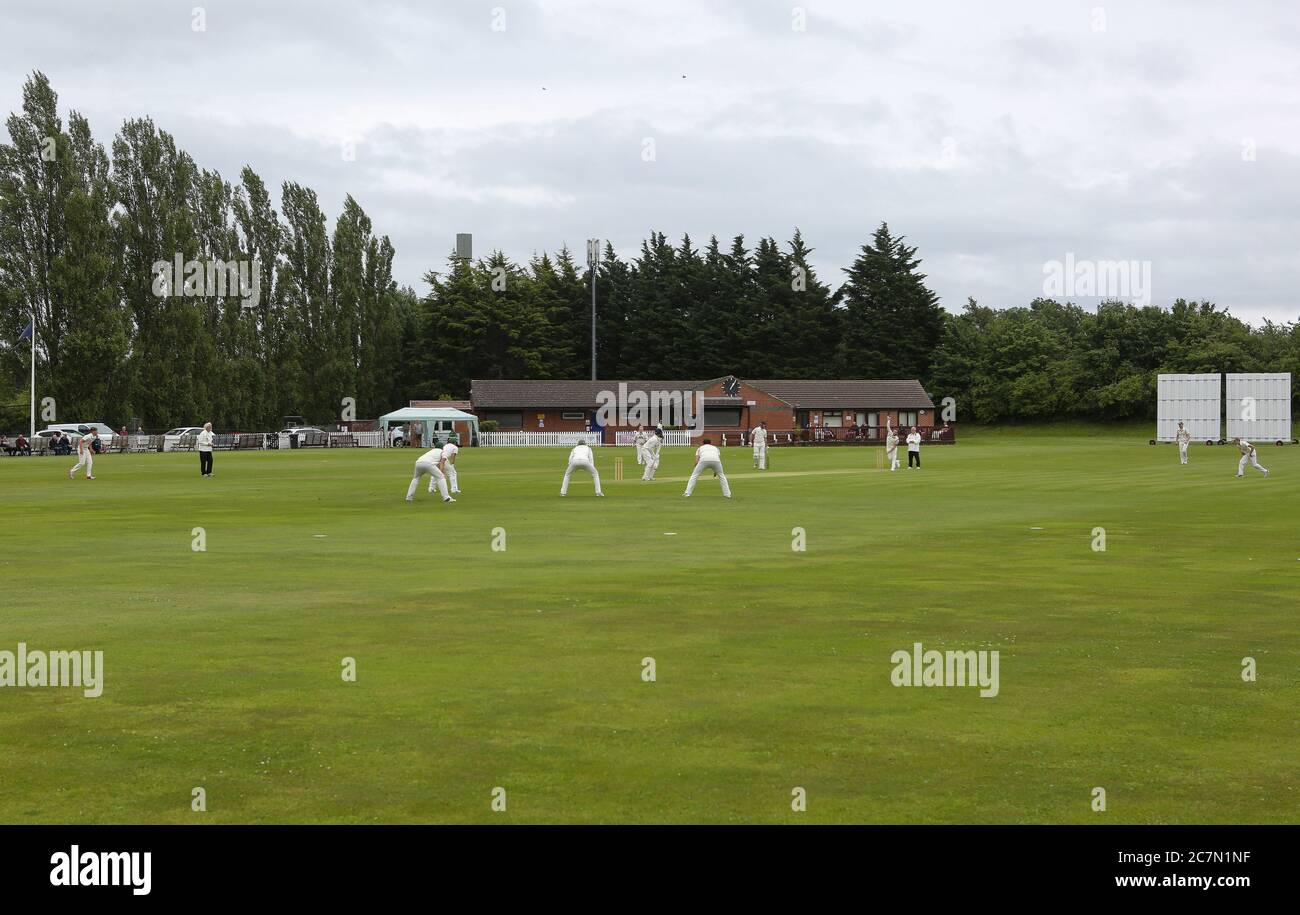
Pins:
x: 538, y: 439
x: 773, y: 438
x: 671, y: 437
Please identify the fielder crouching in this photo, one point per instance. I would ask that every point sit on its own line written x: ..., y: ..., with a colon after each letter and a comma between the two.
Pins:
x: 430, y: 464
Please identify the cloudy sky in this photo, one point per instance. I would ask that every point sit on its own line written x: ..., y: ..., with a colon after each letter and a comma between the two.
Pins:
x: 998, y: 137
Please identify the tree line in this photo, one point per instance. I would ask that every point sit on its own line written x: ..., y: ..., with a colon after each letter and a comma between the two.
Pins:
x: 1052, y: 360
x: 81, y: 232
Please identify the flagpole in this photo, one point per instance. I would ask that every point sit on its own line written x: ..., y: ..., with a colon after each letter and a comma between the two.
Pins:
x: 32, y: 430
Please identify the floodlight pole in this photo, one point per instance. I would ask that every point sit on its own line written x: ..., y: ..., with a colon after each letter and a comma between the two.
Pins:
x: 31, y: 435
x: 593, y: 262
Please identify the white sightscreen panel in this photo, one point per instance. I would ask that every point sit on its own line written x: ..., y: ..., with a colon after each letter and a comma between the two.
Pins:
x: 1259, y: 406
x: 1192, y: 400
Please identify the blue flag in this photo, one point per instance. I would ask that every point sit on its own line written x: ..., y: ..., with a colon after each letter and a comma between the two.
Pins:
x: 26, y: 334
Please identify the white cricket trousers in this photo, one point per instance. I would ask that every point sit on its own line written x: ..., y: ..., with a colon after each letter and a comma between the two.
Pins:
x: 435, y: 476
x: 893, y: 458
x: 1249, y: 459
x: 760, y: 457
x: 640, y: 454
x: 580, y: 465
x: 651, y: 465
x: 452, y: 479
x: 1182, y: 452
x: 708, y: 465
x: 85, y: 459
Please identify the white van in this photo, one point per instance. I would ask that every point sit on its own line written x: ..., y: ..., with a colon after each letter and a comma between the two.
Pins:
x: 105, y: 431
x: 76, y: 431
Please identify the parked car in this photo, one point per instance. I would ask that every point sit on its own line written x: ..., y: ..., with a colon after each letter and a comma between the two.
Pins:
x: 172, y: 436
x: 299, y: 430
x: 70, y: 432
x: 77, y: 431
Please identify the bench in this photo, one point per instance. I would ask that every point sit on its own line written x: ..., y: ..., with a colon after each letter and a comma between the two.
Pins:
x: 139, y: 444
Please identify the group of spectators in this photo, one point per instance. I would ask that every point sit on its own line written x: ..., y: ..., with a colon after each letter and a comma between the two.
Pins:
x: 59, y: 444
x: 18, y: 446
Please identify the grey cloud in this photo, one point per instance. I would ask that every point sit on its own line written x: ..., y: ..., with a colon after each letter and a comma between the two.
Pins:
x: 1124, y: 145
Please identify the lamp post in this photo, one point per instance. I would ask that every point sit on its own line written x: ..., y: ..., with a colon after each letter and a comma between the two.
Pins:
x: 593, y: 262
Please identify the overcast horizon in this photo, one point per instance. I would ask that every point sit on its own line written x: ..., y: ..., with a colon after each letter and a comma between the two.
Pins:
x: 997, y: 140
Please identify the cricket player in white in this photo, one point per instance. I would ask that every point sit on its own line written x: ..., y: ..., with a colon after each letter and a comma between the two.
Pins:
x: 759, y: 438
x: 1247, y: 456
x: 203, y: 445
x: 85, y: 455
x: 449, y: 453
x: 430, y: 463
x: 581, y: 458
x: 1183, y: 438
x: 639, y: 440
x: 707, y: 458
x: 891, y: 443
x: 914, y: 448
x: 652, y: 445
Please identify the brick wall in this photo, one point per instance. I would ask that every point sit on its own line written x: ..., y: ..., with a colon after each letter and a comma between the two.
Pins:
x: 755, y: 406
x: 550, y: 419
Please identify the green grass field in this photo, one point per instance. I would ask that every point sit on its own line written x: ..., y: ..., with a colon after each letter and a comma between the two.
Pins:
x: 523, y: 668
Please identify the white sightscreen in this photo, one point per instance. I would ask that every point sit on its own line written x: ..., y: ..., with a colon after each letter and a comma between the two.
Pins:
x: 1258, y: 406
x: 1192, y: 400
